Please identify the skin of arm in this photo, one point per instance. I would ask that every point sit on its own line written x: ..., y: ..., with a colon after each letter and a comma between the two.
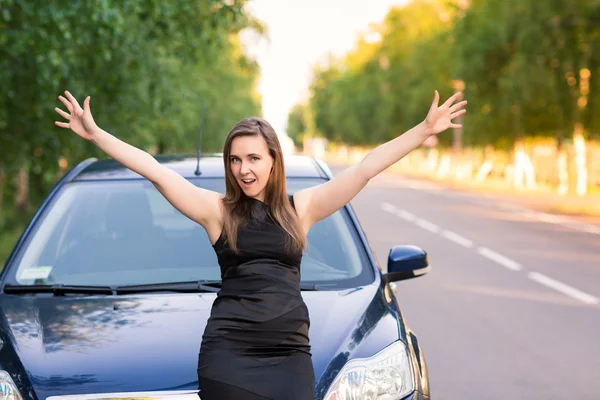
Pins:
x: 318, y: 202
x: 200, y: 205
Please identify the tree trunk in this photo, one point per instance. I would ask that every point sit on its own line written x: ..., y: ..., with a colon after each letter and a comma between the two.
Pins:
x: 457, y: 134
x: 578, y: 133
x: 22, y: 199
x: 524, y: 173
x: 580, y: 159
x: 562, y: 168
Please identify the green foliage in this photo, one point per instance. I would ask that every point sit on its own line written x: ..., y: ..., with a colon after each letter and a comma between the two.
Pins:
x: 296, y: 127
x: 147, y: 64
x: 519, y: 61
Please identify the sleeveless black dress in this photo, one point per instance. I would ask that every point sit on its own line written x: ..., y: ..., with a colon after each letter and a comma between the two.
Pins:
x: 255, y: 345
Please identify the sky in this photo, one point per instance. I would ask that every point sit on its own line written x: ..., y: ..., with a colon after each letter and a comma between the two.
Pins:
x: 299, y: 33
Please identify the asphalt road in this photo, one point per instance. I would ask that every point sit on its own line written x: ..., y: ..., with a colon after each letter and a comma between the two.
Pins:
x: 511, y: 306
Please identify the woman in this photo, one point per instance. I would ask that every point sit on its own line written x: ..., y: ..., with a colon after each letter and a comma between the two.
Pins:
x: 256, y: 343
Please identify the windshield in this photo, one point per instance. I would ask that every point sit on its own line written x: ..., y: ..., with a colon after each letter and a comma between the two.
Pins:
x: 126, y: 233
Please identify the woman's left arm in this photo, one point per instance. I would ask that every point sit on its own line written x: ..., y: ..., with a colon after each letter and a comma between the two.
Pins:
x: 318, y: 202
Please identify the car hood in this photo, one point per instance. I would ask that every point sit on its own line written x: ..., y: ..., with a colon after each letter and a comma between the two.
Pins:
x: 150, y: 342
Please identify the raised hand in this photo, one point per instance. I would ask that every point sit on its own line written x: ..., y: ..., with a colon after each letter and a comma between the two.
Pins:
x: 440, y: 118
x: 80, y: 119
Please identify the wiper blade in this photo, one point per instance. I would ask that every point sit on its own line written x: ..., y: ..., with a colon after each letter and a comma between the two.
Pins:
x: 318, y: 286
x: 180, y: 287
x: 58, y: 290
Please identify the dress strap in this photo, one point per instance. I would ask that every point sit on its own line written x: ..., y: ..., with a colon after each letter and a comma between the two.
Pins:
x: 291, y: 197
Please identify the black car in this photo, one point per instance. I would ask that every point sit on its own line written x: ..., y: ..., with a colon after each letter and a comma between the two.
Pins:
x: 107, y: 293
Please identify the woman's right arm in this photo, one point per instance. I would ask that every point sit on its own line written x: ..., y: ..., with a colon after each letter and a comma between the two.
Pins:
x: 198, y: 204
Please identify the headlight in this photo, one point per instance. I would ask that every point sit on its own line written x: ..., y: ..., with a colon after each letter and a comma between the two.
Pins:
x: 388, y: 375
x: 8, y: 389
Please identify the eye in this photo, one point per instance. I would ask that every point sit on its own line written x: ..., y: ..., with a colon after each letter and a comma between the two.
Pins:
x: 255, y: 158
x: 234, y: 159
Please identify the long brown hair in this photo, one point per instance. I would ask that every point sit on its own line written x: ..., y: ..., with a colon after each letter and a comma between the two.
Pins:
x: 237, y: 206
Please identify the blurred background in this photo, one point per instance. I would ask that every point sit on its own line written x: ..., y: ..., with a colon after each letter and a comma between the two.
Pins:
x: 336, y: 78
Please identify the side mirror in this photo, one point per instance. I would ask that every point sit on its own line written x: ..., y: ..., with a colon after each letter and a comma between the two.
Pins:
x: 406, y: 262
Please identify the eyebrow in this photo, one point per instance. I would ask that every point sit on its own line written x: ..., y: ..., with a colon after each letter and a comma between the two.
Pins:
x: 249, y: 155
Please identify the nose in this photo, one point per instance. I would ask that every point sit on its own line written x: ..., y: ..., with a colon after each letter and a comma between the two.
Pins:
x: 244, y: 170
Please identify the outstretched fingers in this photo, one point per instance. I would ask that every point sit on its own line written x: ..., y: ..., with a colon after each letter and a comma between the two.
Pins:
x: 62, y: 113
x: 67, y: 103
x: 436, y: 100
x: 72, y: 99
x: 452, y: 99
x: 86, y: 104
x: 458, y: 106
x: 62, y: 124
x: 457, y: 114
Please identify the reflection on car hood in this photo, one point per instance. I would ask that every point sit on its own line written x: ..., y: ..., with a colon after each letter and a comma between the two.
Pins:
x: 150, y: 342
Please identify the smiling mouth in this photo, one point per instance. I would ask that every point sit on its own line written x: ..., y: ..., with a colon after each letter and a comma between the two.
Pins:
x: 248, y: 182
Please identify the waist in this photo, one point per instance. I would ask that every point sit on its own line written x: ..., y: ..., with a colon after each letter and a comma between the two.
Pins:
x: 263, y: 274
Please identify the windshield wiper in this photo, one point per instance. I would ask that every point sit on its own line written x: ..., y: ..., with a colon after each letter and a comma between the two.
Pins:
x: 180, y: 287
x: 58, y: 290
x: 61, y: 290
x: 318, y: 286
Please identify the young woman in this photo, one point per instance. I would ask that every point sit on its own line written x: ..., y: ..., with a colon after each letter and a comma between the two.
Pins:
x: 256, y: 343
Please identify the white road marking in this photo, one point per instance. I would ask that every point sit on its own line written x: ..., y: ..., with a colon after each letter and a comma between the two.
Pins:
x: 422, y: 185
x: 456, y: 238
x: 400, y: 213
x: 388, y: 207
x: 406, y: 215
x: 563, y: 288
x: 499, y: 258
x: 428, y: 226
x: 558, y: 220
x: 486, y: 199
x: 551, y: 219
x: 585, y: 227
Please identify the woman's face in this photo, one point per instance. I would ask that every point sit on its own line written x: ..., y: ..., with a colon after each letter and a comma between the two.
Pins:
x: 251, y: 165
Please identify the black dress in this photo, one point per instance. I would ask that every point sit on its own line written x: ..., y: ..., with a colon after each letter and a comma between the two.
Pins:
x: 256, y: 345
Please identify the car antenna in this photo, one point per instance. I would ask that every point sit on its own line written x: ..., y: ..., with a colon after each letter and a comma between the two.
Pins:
x: 198, y: 172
